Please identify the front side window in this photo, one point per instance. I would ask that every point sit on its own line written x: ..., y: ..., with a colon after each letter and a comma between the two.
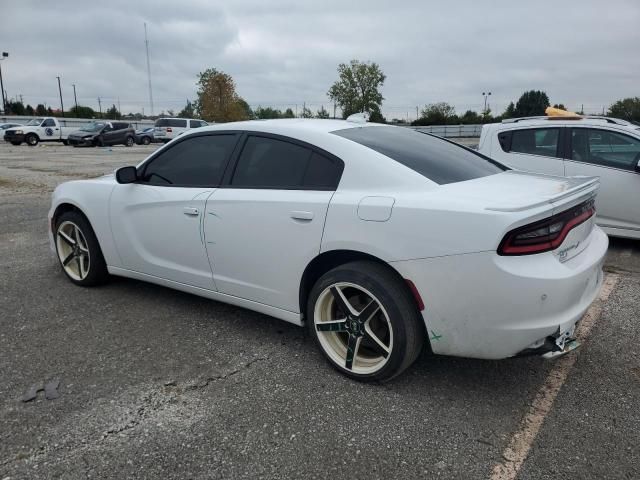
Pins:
x: 606, y: 148
x: 177, y: 123
x: 536, y: 141
x: 278, y: 164
x: 49, y: 122
x: 196, y: 161
x: 434, y: 158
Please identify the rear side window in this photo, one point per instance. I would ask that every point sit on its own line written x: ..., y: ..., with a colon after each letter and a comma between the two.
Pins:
x: 606, y: 148
x: 196, y: 161
x: 195, y: 123
x: 437, y: 159
x: 535, y: 141
x: 278, y: 164
x: 171, y: 122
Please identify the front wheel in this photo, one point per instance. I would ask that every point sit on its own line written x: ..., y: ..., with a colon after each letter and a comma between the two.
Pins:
x: 16, y: 143
x: 129, y: 142
x: 146, y: 140
x: 65, y: 142
x: 31, y: 139
x: 78, y: 250
x: 365, y: 321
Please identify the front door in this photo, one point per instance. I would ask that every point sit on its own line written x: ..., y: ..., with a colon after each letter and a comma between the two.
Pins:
x: 157, y: 222
x: 612, y: 156
x: 264, y: 228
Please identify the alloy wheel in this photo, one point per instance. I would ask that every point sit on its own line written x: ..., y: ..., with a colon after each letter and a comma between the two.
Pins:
x: 353, y: 328
x: 73, y: 251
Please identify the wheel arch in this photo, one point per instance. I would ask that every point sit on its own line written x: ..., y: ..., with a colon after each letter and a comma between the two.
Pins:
x: 64, y: 207
x: 334, y: 258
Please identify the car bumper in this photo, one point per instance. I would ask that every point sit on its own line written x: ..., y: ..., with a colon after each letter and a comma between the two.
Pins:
x: 80, y: 142
x: 483, y: 305
x: 14, y: 138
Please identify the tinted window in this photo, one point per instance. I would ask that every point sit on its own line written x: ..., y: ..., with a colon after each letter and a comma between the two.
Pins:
x: 536, y: 141
x: 49, y: 122
x: 323, y: 172
x: 171, y: 122
x: 437, y: 159
x: 178, y: 123
x: 603, y: 147
x: 195, y: 123
x: 196, y: 161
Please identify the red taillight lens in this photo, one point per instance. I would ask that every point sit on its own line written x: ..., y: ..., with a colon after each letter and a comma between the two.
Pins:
x: 169, y: 129
x: 547, y: 234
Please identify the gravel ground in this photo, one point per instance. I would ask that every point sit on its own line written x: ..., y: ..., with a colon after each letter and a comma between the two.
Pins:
x: 158, y: 383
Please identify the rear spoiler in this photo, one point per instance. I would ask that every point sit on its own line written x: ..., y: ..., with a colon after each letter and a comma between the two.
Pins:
x: 582, y: 185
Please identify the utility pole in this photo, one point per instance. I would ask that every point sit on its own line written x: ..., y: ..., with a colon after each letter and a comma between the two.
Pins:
x: 21, y: 100
x: 60, y: 90
x: 146, y: 44
x: 75, y: 98
x: 485, y: 95
x: 120, y: 111
x: 100, y: 106
x: 334, y: 110
x: 417, y: 116
x: 4, y: 102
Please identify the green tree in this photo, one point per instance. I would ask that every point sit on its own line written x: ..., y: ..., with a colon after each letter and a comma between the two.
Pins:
x: 288, y: 113
x: 560, y: 106
x: 188, y: 111
x: 510, y: 112
x: 267, y: 113
x: 41, y: 110
x: 82, y: 112
x: 532, y: 103
x: 246, y: 109
x: 113, y: 113
x: 217, y: 97
x: 29, y: 110
x: 627, y: 109
x: 358, y: 89
x: 470, y: 117
x: 306, y: 113
x: 322, y: 113
x: 16, y: 108
x: 440, y: 113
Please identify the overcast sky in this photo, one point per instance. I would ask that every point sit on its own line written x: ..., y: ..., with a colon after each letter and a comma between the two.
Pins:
x: 282, y: 53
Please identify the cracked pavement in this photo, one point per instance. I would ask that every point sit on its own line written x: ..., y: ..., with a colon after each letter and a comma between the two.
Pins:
x: 159, y: 383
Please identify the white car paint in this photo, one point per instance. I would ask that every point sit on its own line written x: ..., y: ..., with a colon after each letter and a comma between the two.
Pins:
x: 46, y: 129
x: 250, y: 247
x: 166, y: 129
x: 619, y: 196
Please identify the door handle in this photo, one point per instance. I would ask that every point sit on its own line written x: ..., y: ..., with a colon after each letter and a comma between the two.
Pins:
x: 190, y: 211
x: 302, y: 215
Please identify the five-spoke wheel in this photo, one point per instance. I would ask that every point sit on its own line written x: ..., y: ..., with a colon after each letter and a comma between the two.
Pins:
x: 365, y: 321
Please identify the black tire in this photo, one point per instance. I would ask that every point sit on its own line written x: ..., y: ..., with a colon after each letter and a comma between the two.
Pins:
x: 16, y: 143
x: 31, y: 139
x: 402, y: 314
x: 65, y: 142
x: 146, y: 140
x: 129, y: 141
x: 98, y: 142
x: 97, y: 271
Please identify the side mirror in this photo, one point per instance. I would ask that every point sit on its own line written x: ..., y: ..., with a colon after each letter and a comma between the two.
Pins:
x: 126, y: 175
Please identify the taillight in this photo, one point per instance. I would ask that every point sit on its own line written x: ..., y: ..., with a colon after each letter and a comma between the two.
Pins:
x: 547, y: 234
x: 169, y: 130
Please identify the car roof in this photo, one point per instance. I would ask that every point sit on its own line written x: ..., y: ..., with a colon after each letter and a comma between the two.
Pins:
x: 592, y: 121
x: 289, y: 126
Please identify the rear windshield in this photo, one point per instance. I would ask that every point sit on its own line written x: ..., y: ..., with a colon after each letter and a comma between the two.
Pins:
x: 435, y: 158
x: 170, y: 122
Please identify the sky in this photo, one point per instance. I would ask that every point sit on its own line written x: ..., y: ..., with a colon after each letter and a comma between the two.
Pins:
x: 284, y: 53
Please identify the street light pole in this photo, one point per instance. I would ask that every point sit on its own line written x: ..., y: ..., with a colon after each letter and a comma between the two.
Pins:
x: 75, y: 98
x: 485, y: 95
x: 4, y: 103
x: 60, y: 90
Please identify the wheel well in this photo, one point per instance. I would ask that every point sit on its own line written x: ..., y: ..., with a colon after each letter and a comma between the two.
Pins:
x: 62, y: 208
x: 332, y: 259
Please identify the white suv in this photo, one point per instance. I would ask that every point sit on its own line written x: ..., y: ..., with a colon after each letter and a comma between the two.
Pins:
x: 602, y: 147
x: 166, y: 129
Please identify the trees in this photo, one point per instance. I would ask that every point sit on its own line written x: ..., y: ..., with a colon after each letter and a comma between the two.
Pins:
x: 29, y: 110
x: 246, y: 109
x: 267, y: 113
x: 531, y: 103
x: 306, y: 112
x: 82, y: 112
x: 627, y: 109
x: 358, y: 89
x: 510, y: 112
x: 188, y: 111
x: 440, y: 113
x: 16, y: 108
x: 470, y: 117
x: 288, y: 113
x: 41, y: 110
x: 217, y: 97
x: 322, y: 113
x: 113, y: 113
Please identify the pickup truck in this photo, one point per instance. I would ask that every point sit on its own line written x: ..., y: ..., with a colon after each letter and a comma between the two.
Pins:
x: 47, y: 129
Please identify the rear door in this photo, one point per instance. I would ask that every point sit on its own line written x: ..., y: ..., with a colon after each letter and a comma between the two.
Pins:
x: 529, y: 149
x: 612, y: 156
x: 265, y: 225
x: 157, y: 221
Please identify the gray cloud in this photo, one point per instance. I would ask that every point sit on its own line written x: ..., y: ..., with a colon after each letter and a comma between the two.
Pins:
x: 286, y: 52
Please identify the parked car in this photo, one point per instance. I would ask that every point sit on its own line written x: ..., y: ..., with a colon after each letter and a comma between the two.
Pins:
x: 4, y: 126
x: 377, y: 238
x: 166, y: 129
x: 146, y: 136
x: 100, y: 134
x: 608, y: 148
x: 47, y: 129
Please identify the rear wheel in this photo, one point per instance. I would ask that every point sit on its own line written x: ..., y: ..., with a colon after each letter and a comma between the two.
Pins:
x: 365, y: 321
x: 78, y: 250
x: 32, y: 139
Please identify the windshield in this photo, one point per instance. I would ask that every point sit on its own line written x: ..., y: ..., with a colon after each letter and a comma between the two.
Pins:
x: 435, y: 158
x: 34, y: 122
x: 92, y: 127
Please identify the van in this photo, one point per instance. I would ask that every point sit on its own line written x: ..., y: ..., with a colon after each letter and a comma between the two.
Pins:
x: 166, y: 129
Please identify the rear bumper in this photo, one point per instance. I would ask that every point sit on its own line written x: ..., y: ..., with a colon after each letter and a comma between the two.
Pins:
x: 483, y: 305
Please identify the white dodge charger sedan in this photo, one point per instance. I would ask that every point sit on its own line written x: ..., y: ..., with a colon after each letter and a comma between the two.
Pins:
x: 378, y: 239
